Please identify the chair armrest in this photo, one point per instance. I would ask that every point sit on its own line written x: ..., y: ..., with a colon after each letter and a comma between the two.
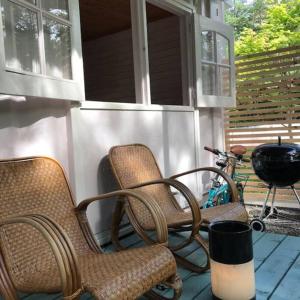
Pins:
x: 61, y: 247
x: 154, y: 209
x: 233, y: 188
x: 188, y: 195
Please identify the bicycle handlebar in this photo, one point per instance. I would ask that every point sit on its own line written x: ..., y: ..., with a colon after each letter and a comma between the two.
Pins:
x: 218, y: 152
x: 214, y: 151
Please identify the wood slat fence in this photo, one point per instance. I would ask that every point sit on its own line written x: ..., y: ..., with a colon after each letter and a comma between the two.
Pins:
x: 268, y: 106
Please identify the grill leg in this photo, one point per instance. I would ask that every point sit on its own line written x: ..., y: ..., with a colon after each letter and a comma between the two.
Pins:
x: 296, y: 194
x: 262, y: 213
x: 272, y: 204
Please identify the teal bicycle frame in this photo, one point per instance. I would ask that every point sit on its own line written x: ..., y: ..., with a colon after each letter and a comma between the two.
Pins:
x: 219, y: 193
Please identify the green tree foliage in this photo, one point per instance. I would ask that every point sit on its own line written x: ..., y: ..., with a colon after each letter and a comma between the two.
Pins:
x: 265, y: 25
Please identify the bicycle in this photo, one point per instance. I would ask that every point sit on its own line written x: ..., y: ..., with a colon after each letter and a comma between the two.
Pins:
x: 219, y: 193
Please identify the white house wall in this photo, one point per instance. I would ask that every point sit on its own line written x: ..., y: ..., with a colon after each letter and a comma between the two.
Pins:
x: 170, y: 135
x: 35, y: 127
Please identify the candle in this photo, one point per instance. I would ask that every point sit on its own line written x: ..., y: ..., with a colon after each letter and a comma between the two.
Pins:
x: 231, y: 258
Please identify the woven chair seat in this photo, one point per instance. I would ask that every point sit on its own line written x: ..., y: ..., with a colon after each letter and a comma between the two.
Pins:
x: 176, y: 219
x: 126, y: 274
x: 231, y: 211
x: 43, y: 280
x: 121, y: 275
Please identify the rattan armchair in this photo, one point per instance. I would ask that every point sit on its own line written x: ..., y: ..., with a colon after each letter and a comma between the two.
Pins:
x: 135, y: 167
x: 46, y: 245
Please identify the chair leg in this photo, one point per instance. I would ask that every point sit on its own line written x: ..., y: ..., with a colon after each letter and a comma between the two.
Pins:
x: 116, y: 221
x: 191, y: 266
x: 174, y: 283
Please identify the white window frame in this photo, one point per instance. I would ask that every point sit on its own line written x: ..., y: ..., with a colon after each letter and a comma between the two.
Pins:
x: 207, y: 24
x: 15, y: 82
x: 140, y: 47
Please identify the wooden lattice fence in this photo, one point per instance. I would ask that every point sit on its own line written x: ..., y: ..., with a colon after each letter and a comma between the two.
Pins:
x: 268, y: 106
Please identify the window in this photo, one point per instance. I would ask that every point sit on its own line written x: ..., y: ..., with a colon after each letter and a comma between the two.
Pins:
x: 136, y: 52
x: 167, y: 58
x: 205, y: 8
x: 40, y: 41
x: 215, y: 63
x: 107, y: 51
x: 215, y: 58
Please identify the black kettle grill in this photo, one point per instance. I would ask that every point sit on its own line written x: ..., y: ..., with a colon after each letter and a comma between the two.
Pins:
x: 279, y: 166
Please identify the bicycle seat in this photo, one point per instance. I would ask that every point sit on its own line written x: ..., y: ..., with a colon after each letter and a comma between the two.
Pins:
x: 238, y: 149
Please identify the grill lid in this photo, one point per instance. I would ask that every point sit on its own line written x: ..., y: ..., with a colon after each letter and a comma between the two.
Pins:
x: 277, y: 164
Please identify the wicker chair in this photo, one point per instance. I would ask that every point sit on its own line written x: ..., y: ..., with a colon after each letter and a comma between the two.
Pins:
x: 46, y: 245
x: 135, y: 167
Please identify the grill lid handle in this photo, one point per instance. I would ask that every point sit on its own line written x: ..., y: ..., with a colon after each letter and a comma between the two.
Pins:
x: 279, y: 140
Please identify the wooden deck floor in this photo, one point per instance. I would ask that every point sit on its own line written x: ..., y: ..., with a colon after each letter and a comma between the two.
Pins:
x: 277, y: 267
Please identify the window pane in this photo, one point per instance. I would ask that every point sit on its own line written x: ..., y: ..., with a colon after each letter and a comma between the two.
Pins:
x: 225, y: 81
x: 222, y: 50
x: 58, y: 8
x: 209, y: 80
x: 57, y: 49
x: 107, y: 51
x: 205, y: 8
x: 208, y: 47
x: 21, y: 38
x: 165, y: 57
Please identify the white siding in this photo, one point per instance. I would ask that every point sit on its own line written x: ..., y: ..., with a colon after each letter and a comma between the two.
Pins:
x: 35, y: 127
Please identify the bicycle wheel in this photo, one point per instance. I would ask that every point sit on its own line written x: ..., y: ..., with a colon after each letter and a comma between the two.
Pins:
x: 240, y: 189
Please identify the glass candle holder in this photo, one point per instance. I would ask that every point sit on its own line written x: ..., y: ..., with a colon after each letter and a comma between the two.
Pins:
x: 231, y: 259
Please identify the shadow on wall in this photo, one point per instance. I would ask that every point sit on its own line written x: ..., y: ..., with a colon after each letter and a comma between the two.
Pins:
x: 106, y: 179
x: 25, y: 113
x: 106, y: 183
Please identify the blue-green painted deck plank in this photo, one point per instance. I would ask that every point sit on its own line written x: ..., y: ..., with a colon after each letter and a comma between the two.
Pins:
x: 264, y: 247
x: 130, y: 241
x: 257, y: 235
x: 85, y: 296
x: 289, y: 286
x: 274, y: 268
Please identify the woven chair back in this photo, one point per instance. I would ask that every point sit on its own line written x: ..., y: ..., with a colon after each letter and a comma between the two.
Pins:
x: 135, y: 164
x: 35, y: 186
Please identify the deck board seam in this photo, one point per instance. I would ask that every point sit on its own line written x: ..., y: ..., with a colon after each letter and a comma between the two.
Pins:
x: 284, y: 274
x: 258, y: 239
x: 201, y: 291
x: 271, y: 252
